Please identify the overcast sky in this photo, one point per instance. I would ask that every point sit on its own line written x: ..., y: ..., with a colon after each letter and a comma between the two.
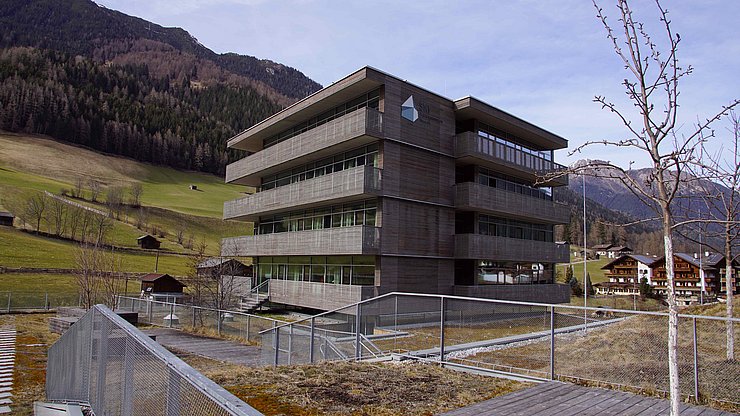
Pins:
x: 541, y: 60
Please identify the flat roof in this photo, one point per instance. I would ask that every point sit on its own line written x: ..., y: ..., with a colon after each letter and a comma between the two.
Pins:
x: 367, y: 78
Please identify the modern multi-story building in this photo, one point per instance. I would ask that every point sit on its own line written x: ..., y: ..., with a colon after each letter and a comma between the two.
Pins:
x: 373, y: 185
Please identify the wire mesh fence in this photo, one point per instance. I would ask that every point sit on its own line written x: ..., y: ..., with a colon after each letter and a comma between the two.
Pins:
x: 17, y: 301
x: 238, y: 325
x: 105, y: 363
x: 592, y: 346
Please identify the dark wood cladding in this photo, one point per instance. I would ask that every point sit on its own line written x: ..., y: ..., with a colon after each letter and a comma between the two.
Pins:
x: 417, y: 198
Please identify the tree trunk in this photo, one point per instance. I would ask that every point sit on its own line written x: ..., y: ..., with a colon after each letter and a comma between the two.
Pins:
x: 729, y: 288
x: 673, y: 388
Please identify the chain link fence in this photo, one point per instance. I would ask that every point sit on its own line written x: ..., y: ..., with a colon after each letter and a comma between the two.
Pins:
x: 207, y: 321
x: 105, y: 363
x: 591, y: 346
x: 21, y: 301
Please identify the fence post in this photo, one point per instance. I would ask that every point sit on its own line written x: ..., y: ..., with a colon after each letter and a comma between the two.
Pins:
x: 9, y: 302
x: 218, y: 321
x: 311, y: 341
x: 46, y: 301
x: 172, y: 314
x: 149, y: 310
x: 290, y: 345
x: 358, y: 319
x: 128, y: 378
x: 442, y: 329
x: 276, y: 342
x: 249, y: 322
x: 552, y: 342
x: 192, y: 308
x: 696, y: 364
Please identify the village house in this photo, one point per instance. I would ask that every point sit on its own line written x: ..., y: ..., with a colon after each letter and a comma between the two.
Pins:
x: 625, y: 274
x: 148, y: 242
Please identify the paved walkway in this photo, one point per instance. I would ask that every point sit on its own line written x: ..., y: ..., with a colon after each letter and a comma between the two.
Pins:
x: 215, y: 349
x: 7, y: 363
x: 564, y: 399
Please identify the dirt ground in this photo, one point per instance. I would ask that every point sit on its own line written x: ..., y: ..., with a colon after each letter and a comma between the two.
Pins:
x: 346, y: 388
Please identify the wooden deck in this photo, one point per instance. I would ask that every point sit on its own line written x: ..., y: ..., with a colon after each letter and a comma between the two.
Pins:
x: 564, y: 399
x: 215, y: 349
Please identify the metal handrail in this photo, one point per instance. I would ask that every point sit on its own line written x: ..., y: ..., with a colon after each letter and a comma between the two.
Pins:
x: 207, y: 387
x: 507, y: 302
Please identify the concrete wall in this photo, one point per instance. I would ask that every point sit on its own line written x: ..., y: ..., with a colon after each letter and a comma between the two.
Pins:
x: 548, y: 293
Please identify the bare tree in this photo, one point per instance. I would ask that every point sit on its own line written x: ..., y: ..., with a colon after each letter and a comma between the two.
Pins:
x: 87, y: 261
x: 180, y: 234
x: 59, y: 215
x: 79, y: 185
x: 722, y: 210
x: 35, y: 209
x: 110, y: 277
x: 101, y: 226
x: 75, y: 216
x: 652, y: 87
x: 95, y: 189
x: 141, y: 218
x: 136, y: 191
x: 114, y: 200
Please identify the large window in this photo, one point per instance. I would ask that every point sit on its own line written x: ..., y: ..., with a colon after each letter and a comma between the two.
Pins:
x: 370, y: 100
x: 366, y: 155
x: 504, y: 227
x: 512, y: 141
x: 497, y: 180
x: 346, y: 270
x: 344, y: 215
x: 501, y: 273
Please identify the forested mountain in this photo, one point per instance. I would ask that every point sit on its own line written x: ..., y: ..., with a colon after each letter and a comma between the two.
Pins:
x: 96, y: 77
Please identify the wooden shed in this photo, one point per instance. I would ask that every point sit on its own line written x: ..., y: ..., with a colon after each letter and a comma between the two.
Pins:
x: 160, y: 283
x: 6, y: 218
x: 148, y: 242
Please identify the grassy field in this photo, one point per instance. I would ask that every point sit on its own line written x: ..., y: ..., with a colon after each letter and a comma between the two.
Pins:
x: 22, y: 249
x: 593, y: 267
x: 31, y: 162
x: 30, y: 290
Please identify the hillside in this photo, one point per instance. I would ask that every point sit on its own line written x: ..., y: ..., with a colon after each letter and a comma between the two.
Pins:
x: 88, y: 75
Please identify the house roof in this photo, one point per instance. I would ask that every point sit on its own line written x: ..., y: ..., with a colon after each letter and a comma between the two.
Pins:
x: 216, y: 261
x: 620, y: 248
x: 146, y: 236
x: 642, y: 259
x: 153, y: 277
x: 6, y: 214
x: 602, y: 246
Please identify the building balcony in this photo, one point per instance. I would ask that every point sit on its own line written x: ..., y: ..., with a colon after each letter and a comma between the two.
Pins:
x: 351, y: 130
x: 476, y: 197
x: 357, y: 240
x: 348, y: 185
x: 324, y: 296
x: 477, y: 246
x: 479, y: 150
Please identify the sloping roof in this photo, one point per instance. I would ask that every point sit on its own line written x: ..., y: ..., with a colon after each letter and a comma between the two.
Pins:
x: 6, y: 214
x: 146, y: 236
x: 215, y: 261
x: 620, y: 248
x: 602, y: 247
x: 152, y: 277
x: 642, y: 259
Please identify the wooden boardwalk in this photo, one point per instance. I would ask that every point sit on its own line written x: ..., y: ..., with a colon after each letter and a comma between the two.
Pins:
x: 215, y: 349
x: 564, y: 399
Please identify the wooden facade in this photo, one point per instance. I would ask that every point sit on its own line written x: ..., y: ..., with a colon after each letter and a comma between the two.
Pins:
x: 148, y: 242
x: 160, y: 283
x: 415, y: 237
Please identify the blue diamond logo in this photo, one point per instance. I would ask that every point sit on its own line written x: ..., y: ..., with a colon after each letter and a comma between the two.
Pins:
x: 408, y: 110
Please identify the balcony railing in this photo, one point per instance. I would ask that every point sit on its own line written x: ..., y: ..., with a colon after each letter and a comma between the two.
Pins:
x: 474, y: 196
x: 486, y: 247
x: 357, y: 240
x: 363, y: 122
x: 317, y: 295
x: 470, y: 144
x: 346, y: 185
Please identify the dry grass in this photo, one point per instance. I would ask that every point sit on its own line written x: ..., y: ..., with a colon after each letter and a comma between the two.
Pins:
x: 32, y: 343
x: 340, y: 388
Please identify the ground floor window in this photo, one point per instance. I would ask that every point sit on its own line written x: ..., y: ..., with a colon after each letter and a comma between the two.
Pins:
x: 497, y: 273
x: 345, y: 270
